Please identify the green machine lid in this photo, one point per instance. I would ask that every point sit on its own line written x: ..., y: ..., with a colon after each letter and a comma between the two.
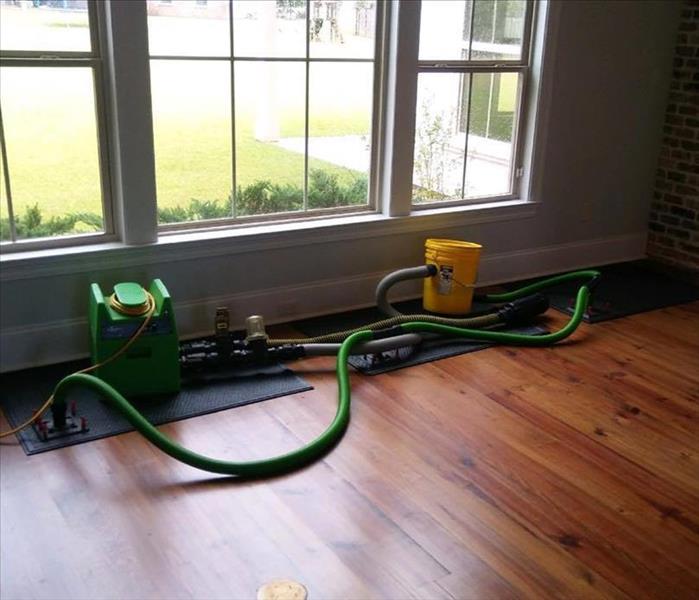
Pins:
x: 129, y: 294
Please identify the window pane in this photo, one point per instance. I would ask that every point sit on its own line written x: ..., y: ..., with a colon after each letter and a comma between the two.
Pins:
x: 445, y: 111
x: 342, y: 28
x: 445, y: 29
x: 438, y: 164
x: 269, y: 131
x: 494, y: 100
x: 339, y: 144
x: 192, y: 130
x: 269, y: 29
x: 52, y: 150
x: 47, y: 25
x: 498, y: 27
x: 188, y: 28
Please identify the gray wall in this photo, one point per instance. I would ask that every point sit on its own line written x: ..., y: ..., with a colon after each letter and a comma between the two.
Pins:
x: 608, y: 85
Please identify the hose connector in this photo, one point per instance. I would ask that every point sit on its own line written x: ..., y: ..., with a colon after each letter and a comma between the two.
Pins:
x: 523, y: 309
x: 255, y: 329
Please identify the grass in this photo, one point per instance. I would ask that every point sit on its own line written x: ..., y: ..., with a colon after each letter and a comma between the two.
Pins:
x: 51, y: 134
x: 52, y: 150
x: 193, y: 157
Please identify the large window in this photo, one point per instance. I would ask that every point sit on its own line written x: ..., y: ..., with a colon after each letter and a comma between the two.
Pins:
x: 473, y: 64
x: 54, y: 176
x: 261, y: 108
x: 222, y: 113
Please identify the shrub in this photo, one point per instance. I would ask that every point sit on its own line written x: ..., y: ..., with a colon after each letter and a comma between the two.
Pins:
x: 324, y: 190
x: 264, y: 197
x: 259, y: 198
x: 32, y: 224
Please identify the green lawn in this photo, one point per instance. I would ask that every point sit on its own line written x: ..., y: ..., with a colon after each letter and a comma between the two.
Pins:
x: 50, y: 130
x: 193, y: 156
x: 52, y: 149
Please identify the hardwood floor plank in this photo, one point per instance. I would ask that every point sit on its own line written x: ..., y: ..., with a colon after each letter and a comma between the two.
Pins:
x: 526, y: 485
x: 447, y: 501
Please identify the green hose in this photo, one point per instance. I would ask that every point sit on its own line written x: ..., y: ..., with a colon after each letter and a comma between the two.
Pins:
x: 326, y: 440
x: 514, y: 339
x: 540, y: 285
x: 257, y: 468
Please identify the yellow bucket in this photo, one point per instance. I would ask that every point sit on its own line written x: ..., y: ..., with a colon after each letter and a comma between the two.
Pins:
x: 450, y: 291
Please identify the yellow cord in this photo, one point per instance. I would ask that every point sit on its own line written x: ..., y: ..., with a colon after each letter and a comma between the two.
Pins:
x: 147, y: 309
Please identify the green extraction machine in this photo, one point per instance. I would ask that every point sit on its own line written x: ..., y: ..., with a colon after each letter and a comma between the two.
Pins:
x: 151, y: 364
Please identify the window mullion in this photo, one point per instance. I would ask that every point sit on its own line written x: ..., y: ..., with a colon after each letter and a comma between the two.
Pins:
x: 466, y: 128
x: 306, y: 106
x: 399, y: 125
x: 131, y: 120
x: 6, y: 182
x: 234, y: 174
x: 468, y: 67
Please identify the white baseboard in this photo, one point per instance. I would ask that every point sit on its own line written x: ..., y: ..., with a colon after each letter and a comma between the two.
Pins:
x: 47, y: 343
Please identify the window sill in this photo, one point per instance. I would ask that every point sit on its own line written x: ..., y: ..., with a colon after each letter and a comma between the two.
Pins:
x: 191, y: 245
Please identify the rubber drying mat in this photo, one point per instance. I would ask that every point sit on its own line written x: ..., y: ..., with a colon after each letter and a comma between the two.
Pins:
x: 403, y: 357
x: 25, y: 391
x: 428, y: 351
x: 624, y: 289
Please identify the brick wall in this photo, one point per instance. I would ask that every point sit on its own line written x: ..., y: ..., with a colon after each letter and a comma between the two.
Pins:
x: 673, y: 235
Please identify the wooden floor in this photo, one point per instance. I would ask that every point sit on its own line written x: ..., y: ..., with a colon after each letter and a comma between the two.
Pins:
x: 567, y: 472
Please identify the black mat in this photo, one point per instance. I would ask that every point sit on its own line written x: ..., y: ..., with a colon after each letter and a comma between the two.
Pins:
x: 25, y: 391
x: 624, y: 289
x: 427, y: 352
x: 404, y: 357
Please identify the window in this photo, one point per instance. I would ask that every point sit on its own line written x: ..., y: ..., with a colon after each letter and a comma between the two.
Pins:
x: 262, y: 108
x: 54, y: 177
x: 472, y: 68
x: 232, y: 112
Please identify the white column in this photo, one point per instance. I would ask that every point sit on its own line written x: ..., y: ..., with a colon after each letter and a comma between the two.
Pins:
x: 131, y: 120
x: 266, y: 108
x: 396, y: 188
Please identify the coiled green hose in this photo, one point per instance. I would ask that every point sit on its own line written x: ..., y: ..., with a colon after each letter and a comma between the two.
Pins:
x: 252, y: 469
x: 326, y: 440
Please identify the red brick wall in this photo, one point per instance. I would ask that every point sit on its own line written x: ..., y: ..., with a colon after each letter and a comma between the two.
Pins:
x: 674, y: 219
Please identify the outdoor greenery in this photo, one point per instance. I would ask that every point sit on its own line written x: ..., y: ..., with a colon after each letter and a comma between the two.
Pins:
x: 432, y: 139
x: 33, y: 224
x: 263, y: 197
x: 325, y: 190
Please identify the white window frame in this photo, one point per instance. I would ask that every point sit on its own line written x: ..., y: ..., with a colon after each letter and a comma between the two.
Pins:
x: 124, y: 101
x: 406, y: 68
x: 306, y: 213
x: 93, y: 60
x: 470, y: 67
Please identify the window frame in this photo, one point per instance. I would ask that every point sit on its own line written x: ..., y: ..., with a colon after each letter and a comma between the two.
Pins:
x: 120, y: 61
x: 94, y: 60
x: 469, y: 67
x: 372, y: 204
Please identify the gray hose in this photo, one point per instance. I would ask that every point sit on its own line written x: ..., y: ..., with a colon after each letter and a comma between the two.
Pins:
x: 469, y: 322
x: 396, y: 318
x: 371, y: 347
x: 392, y: 278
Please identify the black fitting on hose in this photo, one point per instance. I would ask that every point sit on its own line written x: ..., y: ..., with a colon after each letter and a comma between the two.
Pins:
x: 593, y: 283
x: 523, y: 309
